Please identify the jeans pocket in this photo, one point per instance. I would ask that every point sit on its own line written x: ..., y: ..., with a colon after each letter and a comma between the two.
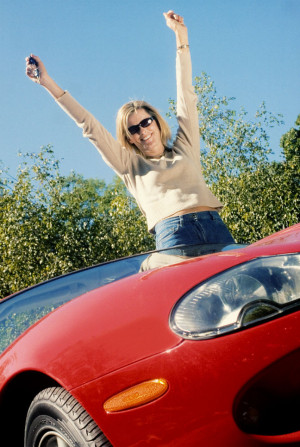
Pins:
x: 164, y: 234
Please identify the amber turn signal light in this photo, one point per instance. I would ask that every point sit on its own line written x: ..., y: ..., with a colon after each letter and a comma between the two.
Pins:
x: 137, y: 395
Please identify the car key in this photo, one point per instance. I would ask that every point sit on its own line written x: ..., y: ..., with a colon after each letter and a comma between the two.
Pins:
x: 35, y: 72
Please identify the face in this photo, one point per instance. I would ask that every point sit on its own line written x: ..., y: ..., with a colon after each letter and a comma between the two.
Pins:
x: 147, y: 139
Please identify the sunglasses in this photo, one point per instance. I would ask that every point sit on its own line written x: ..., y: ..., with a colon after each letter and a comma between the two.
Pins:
x: 144, y: 123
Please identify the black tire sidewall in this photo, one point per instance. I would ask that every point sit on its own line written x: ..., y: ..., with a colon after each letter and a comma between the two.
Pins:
x: 46, y: 416
x: 42, y: 424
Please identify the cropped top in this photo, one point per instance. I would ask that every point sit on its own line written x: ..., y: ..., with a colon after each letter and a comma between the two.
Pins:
x: 161, y: 186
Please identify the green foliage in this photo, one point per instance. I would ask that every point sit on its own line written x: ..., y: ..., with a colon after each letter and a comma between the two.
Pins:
x: 51, y: 224
x: 259, y: 196
x: 290, y: 142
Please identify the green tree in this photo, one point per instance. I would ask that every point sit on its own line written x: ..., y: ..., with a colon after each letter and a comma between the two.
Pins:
x: 290, y: 142
x: 51, y: 224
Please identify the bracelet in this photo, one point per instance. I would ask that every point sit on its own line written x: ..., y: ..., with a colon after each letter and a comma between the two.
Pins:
x: 183, y: 46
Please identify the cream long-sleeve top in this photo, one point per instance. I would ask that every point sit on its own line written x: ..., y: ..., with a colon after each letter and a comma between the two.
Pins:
x: 163, y: 186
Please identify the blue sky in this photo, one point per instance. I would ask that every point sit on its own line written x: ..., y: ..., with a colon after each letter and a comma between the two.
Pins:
x: 107, y: 52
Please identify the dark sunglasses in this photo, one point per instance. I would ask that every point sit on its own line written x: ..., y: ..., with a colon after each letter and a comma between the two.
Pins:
x: 144, y: 123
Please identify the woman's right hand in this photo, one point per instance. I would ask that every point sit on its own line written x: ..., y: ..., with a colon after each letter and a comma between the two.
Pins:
x: 44, y: 79
x: 30, y: 70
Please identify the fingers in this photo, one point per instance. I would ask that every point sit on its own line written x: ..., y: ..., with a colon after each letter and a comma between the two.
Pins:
x: 174, y: 17
x: 33, y: 71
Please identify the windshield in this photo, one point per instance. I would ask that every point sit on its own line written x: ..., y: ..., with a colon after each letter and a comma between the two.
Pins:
x: 23, y: 309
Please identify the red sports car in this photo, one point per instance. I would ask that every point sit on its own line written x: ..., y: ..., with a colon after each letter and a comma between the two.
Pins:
x: 191, y: 346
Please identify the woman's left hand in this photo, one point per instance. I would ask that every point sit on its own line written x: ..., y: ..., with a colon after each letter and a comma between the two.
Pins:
x: 174, y: 21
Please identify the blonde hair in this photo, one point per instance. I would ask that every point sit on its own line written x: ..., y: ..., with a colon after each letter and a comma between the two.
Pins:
x: 130, y: 107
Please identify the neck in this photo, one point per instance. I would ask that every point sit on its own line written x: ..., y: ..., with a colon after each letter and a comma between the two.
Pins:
x: 159, y: 155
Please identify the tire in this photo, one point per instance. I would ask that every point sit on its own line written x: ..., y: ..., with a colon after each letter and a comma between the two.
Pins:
x: 56, y: 419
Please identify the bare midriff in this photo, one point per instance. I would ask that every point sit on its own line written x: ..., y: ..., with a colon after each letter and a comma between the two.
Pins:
x: 196, y: 209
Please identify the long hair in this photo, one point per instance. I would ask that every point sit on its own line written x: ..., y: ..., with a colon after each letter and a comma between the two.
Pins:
x: 130, y: 107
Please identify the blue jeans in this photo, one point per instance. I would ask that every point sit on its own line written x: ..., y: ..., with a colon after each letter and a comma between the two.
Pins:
x: 205, y: 227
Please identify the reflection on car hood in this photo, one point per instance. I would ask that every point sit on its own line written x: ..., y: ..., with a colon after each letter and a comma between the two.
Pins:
x: 162, y: 258
x: 21, y: 310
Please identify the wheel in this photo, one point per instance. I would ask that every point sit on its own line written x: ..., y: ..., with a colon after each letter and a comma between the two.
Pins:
x: 56, y: 419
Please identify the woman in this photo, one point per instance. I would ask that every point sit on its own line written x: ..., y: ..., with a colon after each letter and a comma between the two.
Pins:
x: 166, y: 180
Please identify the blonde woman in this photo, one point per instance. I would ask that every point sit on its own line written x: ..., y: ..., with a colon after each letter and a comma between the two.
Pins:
x: 165, y: 178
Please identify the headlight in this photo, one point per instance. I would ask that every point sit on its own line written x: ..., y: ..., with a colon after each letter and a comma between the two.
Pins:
x: 242, y: 295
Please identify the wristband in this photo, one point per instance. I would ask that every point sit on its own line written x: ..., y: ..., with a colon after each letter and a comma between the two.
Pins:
x: 183, y: 46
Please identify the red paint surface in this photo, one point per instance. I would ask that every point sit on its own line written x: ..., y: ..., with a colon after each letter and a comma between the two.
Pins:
x: 117, y: 336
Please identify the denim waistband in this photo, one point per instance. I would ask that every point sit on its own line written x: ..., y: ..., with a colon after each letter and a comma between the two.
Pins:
x: 198, y: 216
x: 190, y: 217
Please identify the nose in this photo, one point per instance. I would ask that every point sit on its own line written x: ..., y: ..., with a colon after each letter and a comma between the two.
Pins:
x: 142, y: 130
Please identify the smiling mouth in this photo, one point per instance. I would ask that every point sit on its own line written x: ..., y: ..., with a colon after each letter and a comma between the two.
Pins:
x: 144, y: 140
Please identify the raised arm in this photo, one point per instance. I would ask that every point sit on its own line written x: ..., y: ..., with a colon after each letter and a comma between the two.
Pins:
x: 113, y: 154
x: 187, y: 139
x: 43, y: 79
x: 175, y: 23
